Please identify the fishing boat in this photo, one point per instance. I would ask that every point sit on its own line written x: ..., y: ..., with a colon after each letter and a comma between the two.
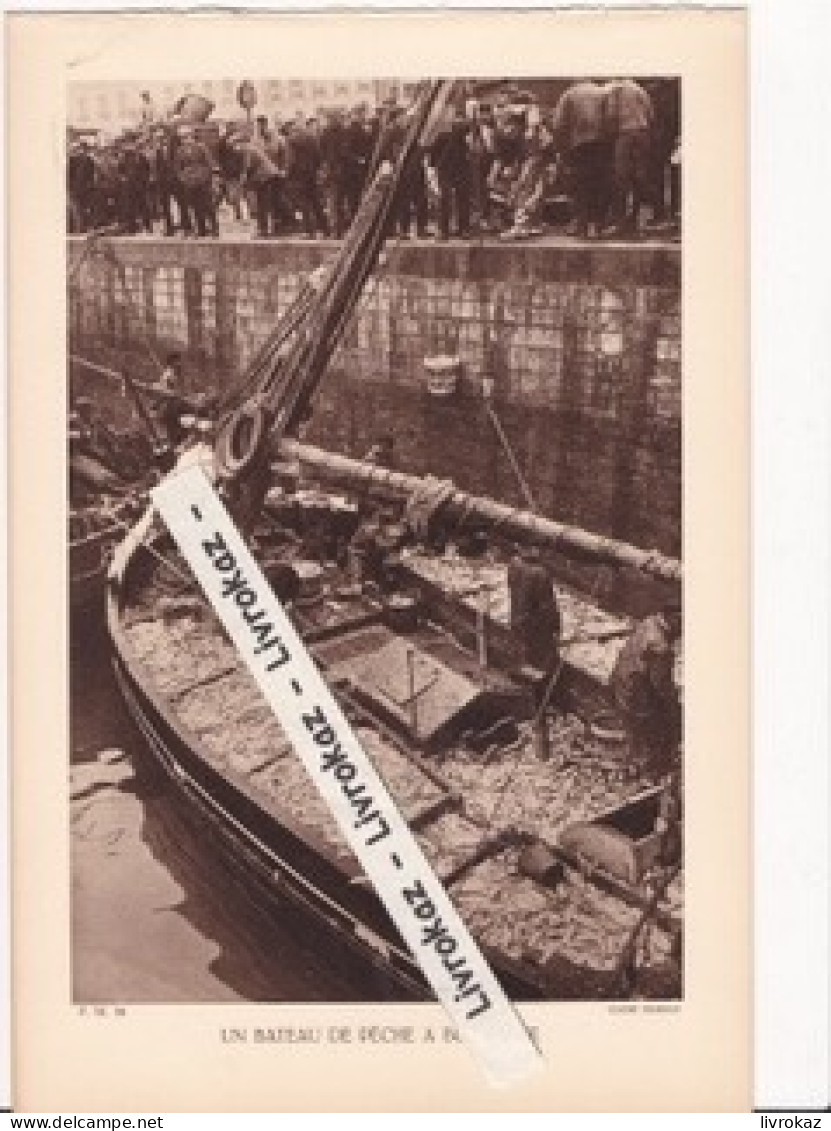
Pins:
x: 101, y: 508
x: 111, y: 469
x: 555, y: 855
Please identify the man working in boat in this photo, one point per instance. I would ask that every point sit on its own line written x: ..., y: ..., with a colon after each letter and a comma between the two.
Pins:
x: 644, y: 691
x: 536, y: 624
x: 535, y: 614
x: 181, y: 417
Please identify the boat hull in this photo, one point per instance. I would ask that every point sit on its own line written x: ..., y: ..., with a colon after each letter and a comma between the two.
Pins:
x: 280, y: 858
x: 89, y: 558
x: 270, y: 855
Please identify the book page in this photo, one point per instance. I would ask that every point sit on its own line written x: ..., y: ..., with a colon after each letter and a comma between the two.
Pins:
x: 545, y: 332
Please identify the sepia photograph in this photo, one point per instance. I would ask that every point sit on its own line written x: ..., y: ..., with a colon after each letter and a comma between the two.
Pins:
x: 425, y: 339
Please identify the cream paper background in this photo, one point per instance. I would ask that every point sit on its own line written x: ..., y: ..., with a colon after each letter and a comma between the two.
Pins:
x: 170, y: 1058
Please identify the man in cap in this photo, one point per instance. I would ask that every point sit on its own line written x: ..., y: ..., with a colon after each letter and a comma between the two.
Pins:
x: 281, y: 213
x: 643, y: 687
x: 304, y: 169
x: 229, y: 160
x: 173, y: 405
x: 411, y: 198
x: 450, y: 157
x: 482, y: 157
x: 358, y: 147
x: 107, y: 186
x: 167, y: 187
x: 259, y: 174
x: 535, y: 613
x: 334, y: 158
x: 666, y: 132
x: 194, y: 170
x: 81, y: 185
x: 134, y: 184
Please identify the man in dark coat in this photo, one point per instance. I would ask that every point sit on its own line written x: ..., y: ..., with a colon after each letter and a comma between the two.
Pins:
x: 450, y: 157
x: 134, y: 183
x: 643, y: 687
x: 666, y: 131
x: 304, y: 169
x: 107, y: 186
x: 172, y: 404
x: 281, y: 213
x: 230, y: 163
x: 535, y: 613
x: 81, y: 186
x: 258, y: 174
x: 411, y: 201
x: 194, y: 171
x: 482, y: 157
x: 168, y: 188
x: 359, y: 145
x: 333, y: 142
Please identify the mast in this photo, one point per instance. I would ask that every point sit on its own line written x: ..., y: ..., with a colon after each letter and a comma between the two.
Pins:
x: 462, y: 508
x: 288, y: 371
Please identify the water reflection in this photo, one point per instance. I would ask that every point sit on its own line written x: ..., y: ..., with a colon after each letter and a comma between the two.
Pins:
x: 157, y: 914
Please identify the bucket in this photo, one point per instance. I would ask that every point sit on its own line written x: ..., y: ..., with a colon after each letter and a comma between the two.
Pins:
x: 442, y: 372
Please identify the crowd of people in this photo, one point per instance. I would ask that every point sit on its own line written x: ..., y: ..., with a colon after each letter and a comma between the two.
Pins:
x: 604, y: 161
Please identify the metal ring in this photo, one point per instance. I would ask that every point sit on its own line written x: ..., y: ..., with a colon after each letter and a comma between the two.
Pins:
x: 241, y: 439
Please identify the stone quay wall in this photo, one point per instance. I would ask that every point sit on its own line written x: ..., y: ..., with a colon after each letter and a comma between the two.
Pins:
x: 582, y: 344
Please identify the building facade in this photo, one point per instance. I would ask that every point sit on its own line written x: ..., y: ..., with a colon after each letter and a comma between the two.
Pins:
x: 113, y: 106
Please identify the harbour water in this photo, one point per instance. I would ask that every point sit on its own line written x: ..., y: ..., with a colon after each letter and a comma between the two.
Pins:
x: 156, y: 914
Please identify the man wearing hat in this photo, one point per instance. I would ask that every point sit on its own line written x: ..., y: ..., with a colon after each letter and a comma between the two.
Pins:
x: 333, y: 156
x: 358, y: 147
x: 80, y: 185
x: 194, y: 171
x: 482, y: 157
x: 166, y: 188
x: 643, y: 687
x: 230, y: 163
x: 535, y: 613
x: 260, y: 175
x: 303, y: 171
x: 450, y: 157
x: 134, y: 185
x: 411, y: 200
